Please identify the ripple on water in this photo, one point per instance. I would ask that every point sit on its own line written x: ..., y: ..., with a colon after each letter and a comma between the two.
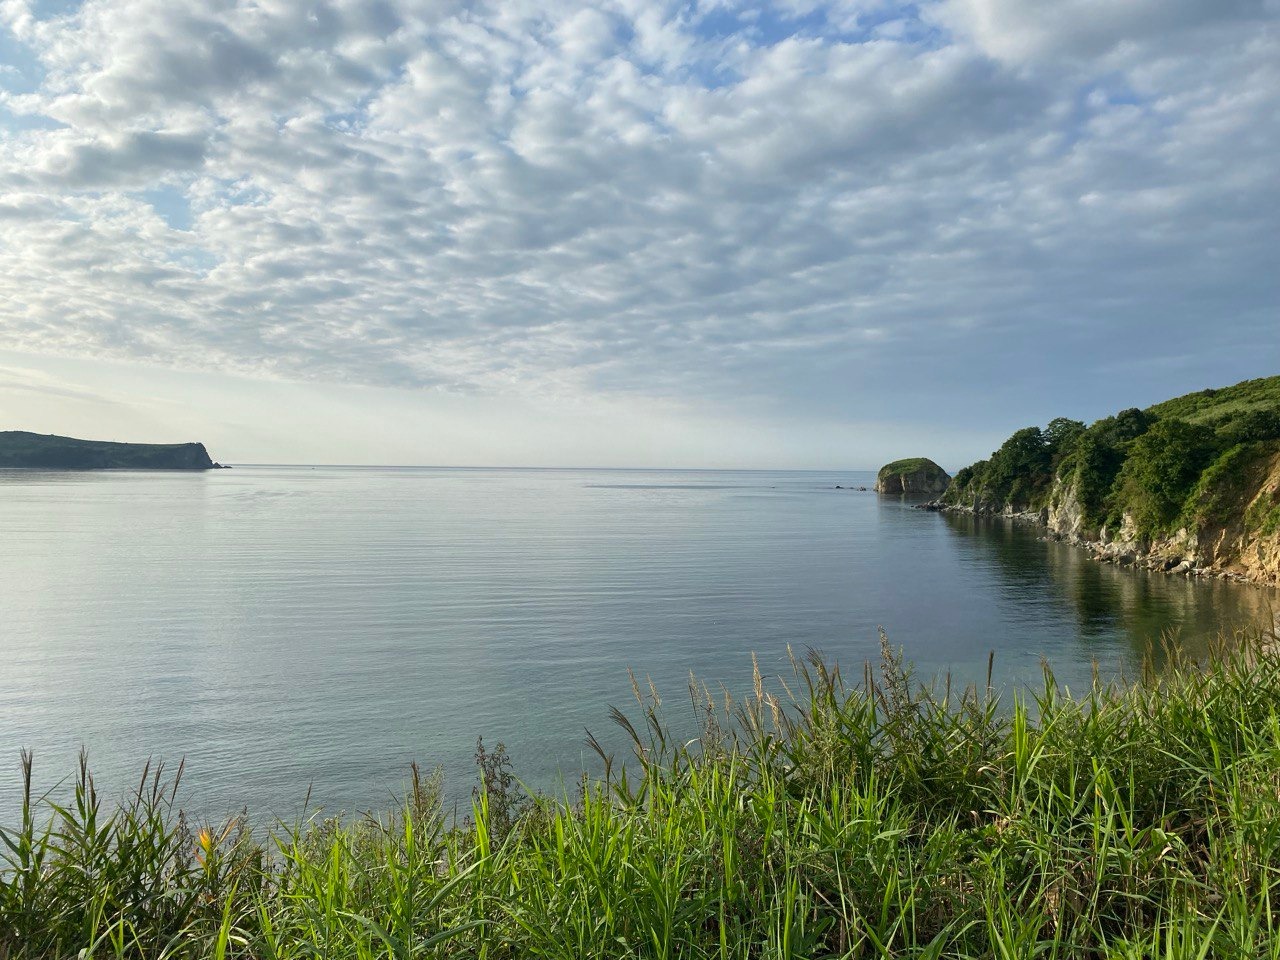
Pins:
x: 284, y: 627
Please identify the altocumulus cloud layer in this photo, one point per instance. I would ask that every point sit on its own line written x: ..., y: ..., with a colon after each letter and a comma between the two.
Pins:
x: 793, y: 205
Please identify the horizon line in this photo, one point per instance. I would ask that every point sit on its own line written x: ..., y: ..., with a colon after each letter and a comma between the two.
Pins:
x: 441, y: 466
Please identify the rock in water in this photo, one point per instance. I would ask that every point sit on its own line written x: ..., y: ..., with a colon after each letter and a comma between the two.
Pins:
x: 914, y: 477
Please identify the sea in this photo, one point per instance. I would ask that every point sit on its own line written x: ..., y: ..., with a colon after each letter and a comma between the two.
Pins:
x: 297, y: 636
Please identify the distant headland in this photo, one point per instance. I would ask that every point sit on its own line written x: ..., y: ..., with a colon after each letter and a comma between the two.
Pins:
x: 39, y: 451
x: 1189, y: 486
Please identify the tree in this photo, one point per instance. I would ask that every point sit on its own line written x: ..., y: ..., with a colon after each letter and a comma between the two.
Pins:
x: 1061, y: 433
x: 1021, y: 468
x: 1097, y: 464
x: 1162, y: 468
x: 1124, y: 426
x: 1250, y: 427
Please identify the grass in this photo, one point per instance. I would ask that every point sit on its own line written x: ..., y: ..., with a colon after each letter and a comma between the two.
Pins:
x: 1224, y: 490
x: 912, y: 465
x: 1210, y: 405
x: 871, y: 817
x: 1264, y: 517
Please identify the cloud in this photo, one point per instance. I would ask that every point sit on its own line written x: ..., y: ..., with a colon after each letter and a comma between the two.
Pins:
x: 790, y: 209
x: 42, y: 384
x: 137, y: 157
x: 1023, y: 30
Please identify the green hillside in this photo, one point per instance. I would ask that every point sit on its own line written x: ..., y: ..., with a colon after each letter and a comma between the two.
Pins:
x: 1208, y: 406
x: 20, y: 449
x: 1183, y: 462
x: 913, y: 465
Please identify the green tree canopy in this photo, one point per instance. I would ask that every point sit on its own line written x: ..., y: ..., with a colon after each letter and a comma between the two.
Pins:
x: 1021, y: 467
x: 1249, y: 427
x: 1162, y: 468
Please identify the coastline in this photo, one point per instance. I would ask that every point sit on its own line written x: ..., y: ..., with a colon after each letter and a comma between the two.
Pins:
x: 1122, y: 553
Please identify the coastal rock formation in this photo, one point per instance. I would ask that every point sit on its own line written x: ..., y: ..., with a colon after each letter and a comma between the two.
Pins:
x: 1238, y: 540
x: 1188, y: 486
x: 20, y: 449
x: 914, y: 477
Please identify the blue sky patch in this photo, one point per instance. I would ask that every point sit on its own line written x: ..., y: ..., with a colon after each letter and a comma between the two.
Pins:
x: 47, y: 9
x: 11, y: 122
x: 20, y: 71
x: 172, y: 206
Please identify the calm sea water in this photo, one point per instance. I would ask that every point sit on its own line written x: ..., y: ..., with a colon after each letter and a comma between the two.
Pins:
x: 292, y: 627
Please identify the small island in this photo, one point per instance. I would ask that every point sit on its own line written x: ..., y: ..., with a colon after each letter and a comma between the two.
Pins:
x: 915, y: 476
x: 20, y: 449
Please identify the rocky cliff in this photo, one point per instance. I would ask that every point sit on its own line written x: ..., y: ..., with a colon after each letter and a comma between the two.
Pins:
x: 20, y: 449
x: 914, y: 477
x: 1190, y: 485
x: 1234, y: 534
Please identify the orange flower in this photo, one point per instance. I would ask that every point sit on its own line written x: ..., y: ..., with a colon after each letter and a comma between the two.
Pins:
x: 204, y: 844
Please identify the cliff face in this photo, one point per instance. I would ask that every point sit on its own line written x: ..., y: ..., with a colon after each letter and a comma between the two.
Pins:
x: 915, y: 477
x: 1191, y: 484
x: 1240, y: 539
x: 1252, y: 543
x: 20, y: 449
x: 1065, y: 516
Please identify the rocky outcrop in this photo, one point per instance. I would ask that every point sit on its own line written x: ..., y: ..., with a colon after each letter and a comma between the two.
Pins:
x: 1244, y: 546
x: 1065, y: 516
x: 915, y: 477
x: 1191, y: 484
x: 23, y: 450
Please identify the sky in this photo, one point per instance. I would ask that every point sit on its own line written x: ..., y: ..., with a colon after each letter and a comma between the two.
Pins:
x: 629, y: 233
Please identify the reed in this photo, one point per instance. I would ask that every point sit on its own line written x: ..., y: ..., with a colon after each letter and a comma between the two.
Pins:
x: 874, y: 817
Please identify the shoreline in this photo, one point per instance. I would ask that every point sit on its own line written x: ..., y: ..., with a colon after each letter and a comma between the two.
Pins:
x: 1119, y: 553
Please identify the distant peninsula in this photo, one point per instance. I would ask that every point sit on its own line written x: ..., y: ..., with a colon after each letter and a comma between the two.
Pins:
x: 1191, y: 485
x: 39, y: 451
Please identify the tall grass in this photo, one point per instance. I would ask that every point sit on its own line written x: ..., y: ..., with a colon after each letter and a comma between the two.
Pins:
x: 872, y: 817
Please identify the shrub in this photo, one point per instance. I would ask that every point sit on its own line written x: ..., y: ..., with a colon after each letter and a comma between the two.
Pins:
x: 1253, y: 426
x: 1161, y: 470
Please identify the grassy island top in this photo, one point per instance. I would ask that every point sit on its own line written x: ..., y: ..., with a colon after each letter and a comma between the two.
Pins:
x: 921, y: 465
x: 869, y: 819
x: 21, y: 449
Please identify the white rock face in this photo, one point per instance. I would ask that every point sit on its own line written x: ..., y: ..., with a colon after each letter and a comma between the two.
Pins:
x: 1066, y: 514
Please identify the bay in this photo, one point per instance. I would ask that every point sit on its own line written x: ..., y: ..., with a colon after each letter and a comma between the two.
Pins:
x: 294, y: 630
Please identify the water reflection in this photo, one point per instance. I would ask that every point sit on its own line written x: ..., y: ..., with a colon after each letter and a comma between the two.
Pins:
x: 1110, y: 602
x: 280, y: 627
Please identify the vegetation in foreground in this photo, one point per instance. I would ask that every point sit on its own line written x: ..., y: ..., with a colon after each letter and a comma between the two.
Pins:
x: 867, y: 819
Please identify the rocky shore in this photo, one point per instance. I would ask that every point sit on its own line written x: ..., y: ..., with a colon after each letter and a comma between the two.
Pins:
x: 1179, y: 554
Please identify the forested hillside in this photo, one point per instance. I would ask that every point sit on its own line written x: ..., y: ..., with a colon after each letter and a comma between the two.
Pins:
x: 1199, y: 473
